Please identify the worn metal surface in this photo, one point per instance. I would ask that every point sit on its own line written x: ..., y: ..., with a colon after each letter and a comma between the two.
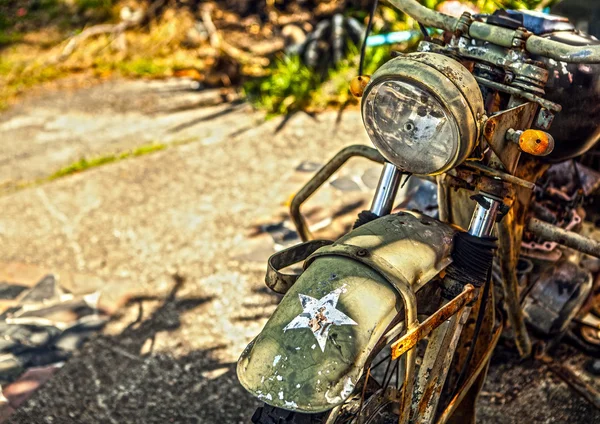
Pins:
x: 570, y: 239
x: 509, y: 241
x: 280, y: 282
x: 496, y: 127
x: 321, y: 177
x: 436, y: 365
x: 499, y: 174
x: 547, y: 104
x: 501, y: 36
x: 479, y: 369
x: 510, y: 235
x: 288, y: 368
x: 412, y: 336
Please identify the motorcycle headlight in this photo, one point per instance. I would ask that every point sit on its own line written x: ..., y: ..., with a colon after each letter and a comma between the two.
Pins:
x: 422, y: 111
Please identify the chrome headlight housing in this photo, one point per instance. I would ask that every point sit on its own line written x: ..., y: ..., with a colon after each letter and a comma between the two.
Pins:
x: 423, y: 111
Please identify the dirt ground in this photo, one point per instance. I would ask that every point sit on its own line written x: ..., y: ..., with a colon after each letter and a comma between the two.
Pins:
x: 178, y: 230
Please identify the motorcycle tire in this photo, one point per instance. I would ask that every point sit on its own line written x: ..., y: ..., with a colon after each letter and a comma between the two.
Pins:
x: 270, y: 415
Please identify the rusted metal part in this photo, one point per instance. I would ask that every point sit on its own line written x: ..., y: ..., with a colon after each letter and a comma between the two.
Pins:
x: 481, y: 366
x: 586, y: 390
x: 590, y: 327
x: 321, y: 177
x: 563, y: 237
x: 496, y: 127
x: 520, y: 38
x: 547, y: 104
x: 494, y: 173
x: 434, y: 369
x: 412, y: 336
x: 545, y: 247
x: 280, y: 282
x: 528, y: 76
x: 442, y: 198
x: 510, y: 233
x: 463, y: 24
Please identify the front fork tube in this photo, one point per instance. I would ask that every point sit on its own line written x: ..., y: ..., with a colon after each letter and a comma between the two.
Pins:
x: 444, y: 339
x: 389, y: 181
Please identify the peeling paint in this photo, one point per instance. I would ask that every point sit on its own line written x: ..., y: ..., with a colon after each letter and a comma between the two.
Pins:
x: 319, y: 315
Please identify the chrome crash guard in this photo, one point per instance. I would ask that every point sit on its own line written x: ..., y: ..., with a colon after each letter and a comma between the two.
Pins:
x: 344, y: 307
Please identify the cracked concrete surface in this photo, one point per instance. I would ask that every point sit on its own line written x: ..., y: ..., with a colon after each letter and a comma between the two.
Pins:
x: 179, y: 226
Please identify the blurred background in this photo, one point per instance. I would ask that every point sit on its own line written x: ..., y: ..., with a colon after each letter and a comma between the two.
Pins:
x: 149, y: 151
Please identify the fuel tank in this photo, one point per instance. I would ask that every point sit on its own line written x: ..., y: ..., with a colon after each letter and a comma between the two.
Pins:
x: 576, y: 87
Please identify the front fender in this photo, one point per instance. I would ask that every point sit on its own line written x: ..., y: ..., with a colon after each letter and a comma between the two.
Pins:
x: 313, y: 349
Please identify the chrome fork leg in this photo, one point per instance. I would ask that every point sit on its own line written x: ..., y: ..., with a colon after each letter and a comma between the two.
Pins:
x: 484, y: 216
x: 383, y: 202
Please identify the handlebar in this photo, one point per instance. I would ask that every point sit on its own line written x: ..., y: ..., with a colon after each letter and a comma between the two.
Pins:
x: 501, y: 36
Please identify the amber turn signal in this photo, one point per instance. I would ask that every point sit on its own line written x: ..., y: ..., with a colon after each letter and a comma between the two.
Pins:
x: 358, y: 84
x: 536, y: 142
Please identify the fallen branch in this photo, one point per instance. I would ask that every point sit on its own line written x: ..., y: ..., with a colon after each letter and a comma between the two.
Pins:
x: 218, y: 43
x: 75, y: 41
x: 114, y: 29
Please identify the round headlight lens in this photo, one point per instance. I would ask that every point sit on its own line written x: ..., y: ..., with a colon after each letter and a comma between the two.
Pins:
x: 410, y: 127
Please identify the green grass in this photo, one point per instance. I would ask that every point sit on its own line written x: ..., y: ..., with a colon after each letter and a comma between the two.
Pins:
x: 291, y: 86
x: 85, y: 164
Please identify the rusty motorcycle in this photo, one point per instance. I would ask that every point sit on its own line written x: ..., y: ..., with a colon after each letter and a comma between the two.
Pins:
x: 395, y: 321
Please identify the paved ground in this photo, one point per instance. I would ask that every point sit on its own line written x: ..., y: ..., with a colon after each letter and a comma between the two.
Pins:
x: 179, y: 227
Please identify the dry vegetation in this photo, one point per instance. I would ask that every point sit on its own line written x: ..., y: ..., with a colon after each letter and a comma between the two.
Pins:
x: 220, y: 44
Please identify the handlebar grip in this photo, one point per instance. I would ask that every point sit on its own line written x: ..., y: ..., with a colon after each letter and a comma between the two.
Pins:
x: 499, y: 35
x: 561, y: 51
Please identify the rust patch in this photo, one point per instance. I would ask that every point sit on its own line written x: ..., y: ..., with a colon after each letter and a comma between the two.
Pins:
x: 413, y: 335
x: 316, y: 323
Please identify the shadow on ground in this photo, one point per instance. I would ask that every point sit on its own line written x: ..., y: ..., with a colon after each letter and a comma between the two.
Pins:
x: 120, y: 379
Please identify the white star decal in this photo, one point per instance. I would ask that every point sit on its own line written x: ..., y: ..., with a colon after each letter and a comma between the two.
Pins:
x: 319, y: 315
